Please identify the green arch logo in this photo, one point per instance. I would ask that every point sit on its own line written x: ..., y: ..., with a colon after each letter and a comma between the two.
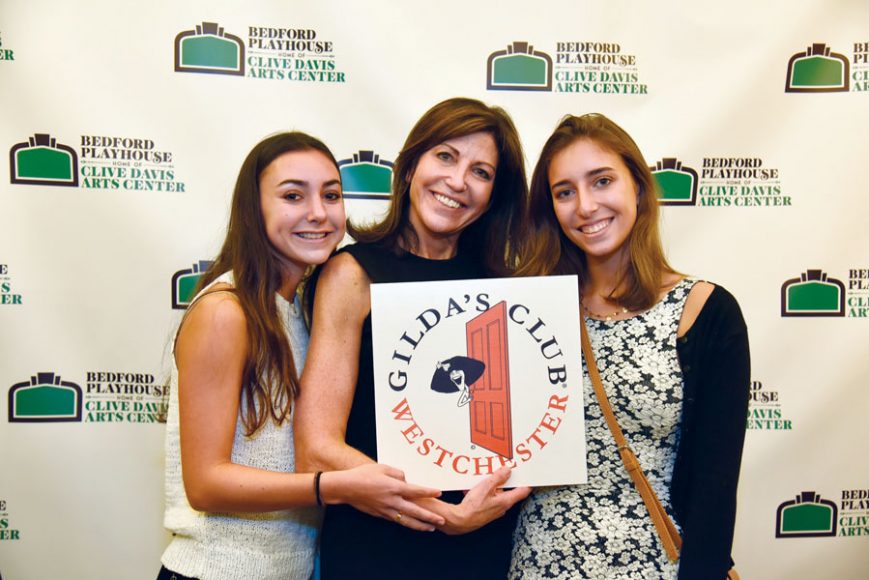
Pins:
x: 41, y: 160
x: 184, y: 283
x: 808, y: 515
x: 817, y: 70
x: 45, y: 398
x: 677, y: 183
x: 366, y: 176
x: 208, y: 49
x: 813, y: 294
x: 519, y: 68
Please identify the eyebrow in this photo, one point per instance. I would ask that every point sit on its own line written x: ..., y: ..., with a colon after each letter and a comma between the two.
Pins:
x: 303, y: 183
x: 450, y: 147
x: 458, y: 153
x: 592, y: 173
x: 298, y: 182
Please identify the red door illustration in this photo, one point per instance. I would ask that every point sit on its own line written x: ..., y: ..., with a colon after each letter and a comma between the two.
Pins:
x: 491, y: 424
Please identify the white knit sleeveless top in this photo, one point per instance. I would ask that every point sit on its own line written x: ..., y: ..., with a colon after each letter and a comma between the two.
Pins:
x: 217, y: 546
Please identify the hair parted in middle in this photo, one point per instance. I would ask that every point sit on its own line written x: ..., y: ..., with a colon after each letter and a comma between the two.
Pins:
x: 545, y: 249
x: 488, y: 237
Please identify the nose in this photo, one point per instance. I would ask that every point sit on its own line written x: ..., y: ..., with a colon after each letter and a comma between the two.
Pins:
x: 316, y: 209
x: 586, y: 203
x: 455, y: 178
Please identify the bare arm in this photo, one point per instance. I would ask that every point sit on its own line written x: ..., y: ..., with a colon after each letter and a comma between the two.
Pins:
x: 329, y: 381
x: 341, y: 304
x: 210, y: 354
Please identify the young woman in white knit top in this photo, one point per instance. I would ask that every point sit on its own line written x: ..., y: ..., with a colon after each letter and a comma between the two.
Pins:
x: 233, y: 504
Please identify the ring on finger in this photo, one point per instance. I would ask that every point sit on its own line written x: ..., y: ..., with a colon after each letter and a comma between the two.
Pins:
x: 398, y: 517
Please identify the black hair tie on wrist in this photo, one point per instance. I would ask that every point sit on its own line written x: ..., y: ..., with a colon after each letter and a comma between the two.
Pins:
x: 317, y: 488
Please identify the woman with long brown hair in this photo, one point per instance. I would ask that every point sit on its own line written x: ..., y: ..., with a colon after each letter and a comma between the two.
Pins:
x: 673, y: 358
x: 458, y: 183
x: 233, y: 504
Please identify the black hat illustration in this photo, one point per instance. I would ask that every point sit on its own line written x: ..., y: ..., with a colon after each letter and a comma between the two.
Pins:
x: 457, y: 374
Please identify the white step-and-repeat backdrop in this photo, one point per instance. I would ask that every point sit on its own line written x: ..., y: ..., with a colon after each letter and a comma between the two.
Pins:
x: 125, y: 124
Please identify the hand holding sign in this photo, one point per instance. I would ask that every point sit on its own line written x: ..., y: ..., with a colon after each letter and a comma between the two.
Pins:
x: 483, y: 503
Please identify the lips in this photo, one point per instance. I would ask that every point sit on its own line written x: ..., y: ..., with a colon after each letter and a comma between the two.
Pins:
x: 596, y: 227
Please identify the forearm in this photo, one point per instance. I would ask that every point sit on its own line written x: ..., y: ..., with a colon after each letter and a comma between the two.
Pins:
x: 328, y: 455
x: 229, y: 487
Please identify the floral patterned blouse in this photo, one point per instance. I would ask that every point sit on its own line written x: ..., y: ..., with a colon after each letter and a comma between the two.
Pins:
x: 602, y: 529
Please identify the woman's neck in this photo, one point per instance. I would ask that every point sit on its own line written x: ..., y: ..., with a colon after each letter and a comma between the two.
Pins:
x: 604, y: 278
x: 435, y: 248
x: 289, y: 284
x: 602, y: 283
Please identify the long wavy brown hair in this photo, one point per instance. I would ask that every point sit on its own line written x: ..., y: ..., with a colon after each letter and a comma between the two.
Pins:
x: 270, y: 381
x: 488, y: 238
x: 545, y: 249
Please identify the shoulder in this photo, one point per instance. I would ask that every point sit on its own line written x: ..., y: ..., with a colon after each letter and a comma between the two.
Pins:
x: 707, y: 305
x: 721, y: 304
x: 697, y: 297
x: 362, y: 251
x: 213, y: 331
x: 343, y: 289
x: 343, y: 270
x: 215, y: 313
x: 379, y: 261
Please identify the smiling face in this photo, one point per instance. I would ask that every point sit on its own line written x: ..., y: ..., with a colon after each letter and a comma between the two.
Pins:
x: 451, y: 188
x: 302, y: 209
x: 595, y: 200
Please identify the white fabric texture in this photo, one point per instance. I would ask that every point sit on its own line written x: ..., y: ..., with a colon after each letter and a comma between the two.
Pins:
x: 217, y: 546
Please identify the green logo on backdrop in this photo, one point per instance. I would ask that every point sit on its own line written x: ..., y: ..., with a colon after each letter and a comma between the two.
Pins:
x: 817, y: 70
x: 208, y: 49
x: 7, y: 532
x: 5, y: 53
x: 813, y: 294
x: 519, y: 68
x: 808, y: 515
x: 45, y: 398
x: 366, y: 176
x: 7, y: 296
x: 41, y: 160
x: 184, y: 284
x: 677, y: 183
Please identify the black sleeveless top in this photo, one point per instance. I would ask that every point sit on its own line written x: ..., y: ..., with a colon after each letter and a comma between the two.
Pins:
x: 356, y: 545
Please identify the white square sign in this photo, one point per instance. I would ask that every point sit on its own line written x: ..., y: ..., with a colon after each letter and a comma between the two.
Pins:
x: 471, y: 375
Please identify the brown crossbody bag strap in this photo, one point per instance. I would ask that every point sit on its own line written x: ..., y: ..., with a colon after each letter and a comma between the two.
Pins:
x: 670, y: 538
x: 667, y: 531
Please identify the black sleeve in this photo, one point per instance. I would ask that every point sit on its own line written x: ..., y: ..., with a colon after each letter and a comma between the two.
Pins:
x: 715, y: 361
